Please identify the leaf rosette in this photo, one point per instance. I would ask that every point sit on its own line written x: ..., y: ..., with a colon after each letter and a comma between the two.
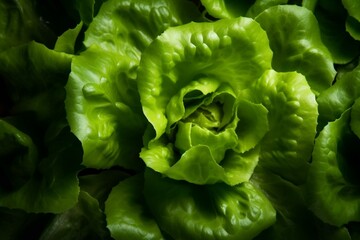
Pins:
x: 209, y: 93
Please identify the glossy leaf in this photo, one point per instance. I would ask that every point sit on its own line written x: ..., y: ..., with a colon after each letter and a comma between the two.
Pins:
x: 102, y: 102
x: 292, y: 115
x: 126, y: 212
x: 295, y: 49
x: 333, y: 183
x: 208, y: 212
x: 227, y: 8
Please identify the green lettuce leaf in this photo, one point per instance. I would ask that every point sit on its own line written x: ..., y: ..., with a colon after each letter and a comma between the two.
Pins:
x: 46, y: 182
x: 103, y: 106
x: 196, y: 51
x: 293, y: 219
x: 297, y: 47
x: 40, y: 86
x: 292, y: 115
x: 353, y: 8
x: 18, y: 156
x: 126, y: 212
x: 333, y: 181
x: 215, y: 211
x: 87, y: 222
x: 67, y: 41
x: 17, y: 224
x: 353, y: 20
x: 103, y: 110
x: 99, y: 183
x: 189, y: 81
x: 340, y: 96
x: 226, y: 8
x: 20, y: 23
x: 261, y: 5
x: 332, y: 17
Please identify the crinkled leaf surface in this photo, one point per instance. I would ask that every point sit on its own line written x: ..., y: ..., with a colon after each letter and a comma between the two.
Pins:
x: 292, y: 116
x: 297, y: 47
x: 214, y: 211
x: 102, y: 101
x: 224, y: 51
x: 103, y: 110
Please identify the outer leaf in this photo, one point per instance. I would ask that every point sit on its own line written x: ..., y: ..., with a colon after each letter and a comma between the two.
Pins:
x: 102, y: 103
x: 332, y: 16
x: 353, y: 8
x: 295, y: 49
x: 339, y: 97
x: 53, y: 187
x: 293, y: 220
x: 83, y: 221
x: 207, y: 212
x: 333, y: 181
x: 355, y: 119
x: 353, y: 27
x: 18, y: 156
x: 103, y: 110
x: 17, y: 224
x: 20, y: 23
x: 353, y: 20
x: 99, y: 184
x: 126, y: 212
x: 261, y: 5
x: 67, y: 41
x: 128, y: 26
x: 292, y: 115
x: 37, y: 96
x: 226, y: 8
x: 309, y: 4
x: 40, y: 87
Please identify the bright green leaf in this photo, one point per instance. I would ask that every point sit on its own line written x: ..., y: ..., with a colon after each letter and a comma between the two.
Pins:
x: 292, y: 116
x: 296, y: 41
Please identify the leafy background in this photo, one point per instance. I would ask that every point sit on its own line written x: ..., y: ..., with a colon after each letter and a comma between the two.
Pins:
x: 70, y: 136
